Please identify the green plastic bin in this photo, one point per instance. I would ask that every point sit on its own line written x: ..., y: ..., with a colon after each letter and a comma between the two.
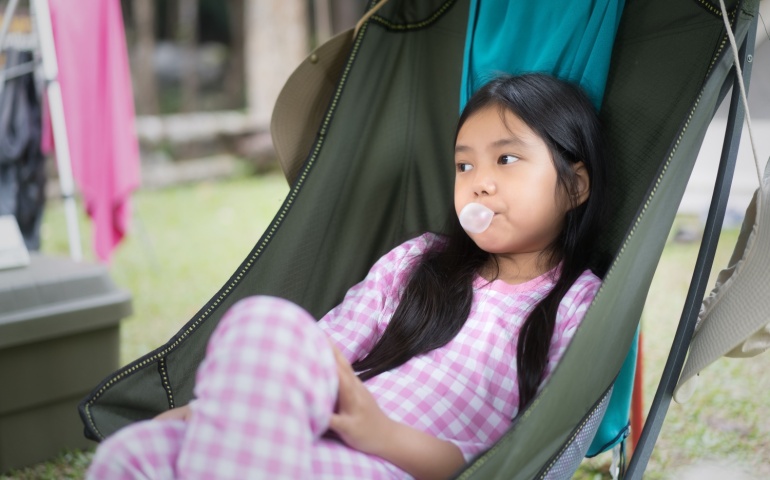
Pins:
x: 59, y: 335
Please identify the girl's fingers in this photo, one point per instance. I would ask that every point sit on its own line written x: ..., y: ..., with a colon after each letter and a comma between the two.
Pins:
x: 340, y: 358
x: 343, y: 381
x: 345, y: 376
x: 344, y: 371
x: 179, y: 413
x: 335, y: 422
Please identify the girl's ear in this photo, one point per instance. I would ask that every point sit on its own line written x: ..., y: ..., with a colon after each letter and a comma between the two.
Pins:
x: 583, y: 183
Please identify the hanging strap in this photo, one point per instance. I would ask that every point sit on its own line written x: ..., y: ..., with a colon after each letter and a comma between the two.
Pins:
x: 739, y: 72
x: 367, y: 16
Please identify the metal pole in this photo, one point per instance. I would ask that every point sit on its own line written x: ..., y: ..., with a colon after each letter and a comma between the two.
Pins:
x: 10, y: 9
x: 42, y: 20
x: 675, y: 362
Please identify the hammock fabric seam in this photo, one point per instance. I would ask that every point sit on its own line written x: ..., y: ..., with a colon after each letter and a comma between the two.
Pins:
x: 163, y: 351
x: 400, y: 27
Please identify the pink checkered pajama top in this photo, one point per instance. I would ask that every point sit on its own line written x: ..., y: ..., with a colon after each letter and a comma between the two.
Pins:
x: 467, y: 391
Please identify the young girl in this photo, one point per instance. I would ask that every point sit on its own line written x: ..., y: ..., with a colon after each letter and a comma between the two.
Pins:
x: 425, y: 362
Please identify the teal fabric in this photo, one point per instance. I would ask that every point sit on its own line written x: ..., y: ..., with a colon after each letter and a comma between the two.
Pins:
x: 571, y: 40
x: 615, y: 425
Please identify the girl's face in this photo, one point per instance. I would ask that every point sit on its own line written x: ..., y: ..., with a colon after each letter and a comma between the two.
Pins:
x: 507, y: 167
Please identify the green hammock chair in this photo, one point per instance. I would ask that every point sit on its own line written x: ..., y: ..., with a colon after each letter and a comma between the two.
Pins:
x: 369, y: 170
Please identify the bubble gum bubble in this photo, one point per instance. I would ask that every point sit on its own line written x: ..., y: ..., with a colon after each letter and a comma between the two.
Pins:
x: 475, y: 217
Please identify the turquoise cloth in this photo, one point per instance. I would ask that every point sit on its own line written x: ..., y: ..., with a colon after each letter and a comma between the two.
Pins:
x: 616, y: 426
x: 571, y: 40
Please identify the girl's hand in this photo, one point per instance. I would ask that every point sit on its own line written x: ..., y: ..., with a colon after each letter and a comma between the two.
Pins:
x: 179, y: 413
x: 362, y: 425
x: 359, y: 421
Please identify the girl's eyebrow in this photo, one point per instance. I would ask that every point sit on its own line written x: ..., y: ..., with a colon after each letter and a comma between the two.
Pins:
x: 512, y: 141
x: 462, y: 148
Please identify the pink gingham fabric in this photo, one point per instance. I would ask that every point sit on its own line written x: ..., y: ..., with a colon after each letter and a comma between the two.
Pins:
x: 266, y: 389
x: 465, y: 392
x: 264, y: 396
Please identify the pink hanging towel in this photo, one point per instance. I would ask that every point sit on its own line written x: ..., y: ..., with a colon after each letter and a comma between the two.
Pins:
x: 99, y: 112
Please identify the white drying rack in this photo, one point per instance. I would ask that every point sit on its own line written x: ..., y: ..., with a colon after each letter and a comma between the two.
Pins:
x: 41, y: 41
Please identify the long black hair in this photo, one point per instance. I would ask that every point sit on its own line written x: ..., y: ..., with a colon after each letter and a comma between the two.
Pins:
x: 437, y: 299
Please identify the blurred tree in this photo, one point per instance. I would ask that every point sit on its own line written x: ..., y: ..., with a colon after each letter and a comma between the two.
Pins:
x: 276, y: 42
x: 144, y: 72
x: 330, y: 17
x: 190, y: 55
x: 322, y: 20
x: 236, y: 65
x: 187, y: 37
x: 345, y: 13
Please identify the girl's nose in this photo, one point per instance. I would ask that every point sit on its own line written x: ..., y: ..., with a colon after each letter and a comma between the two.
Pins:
x: 484, y: 186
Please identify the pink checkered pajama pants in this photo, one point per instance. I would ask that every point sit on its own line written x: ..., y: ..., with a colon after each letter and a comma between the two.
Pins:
x: 263, y: 398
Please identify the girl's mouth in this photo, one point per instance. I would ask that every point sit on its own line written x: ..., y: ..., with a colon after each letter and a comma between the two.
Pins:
x: 475, y: 217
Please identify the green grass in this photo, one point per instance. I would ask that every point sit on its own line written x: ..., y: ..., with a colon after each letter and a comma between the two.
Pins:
x: 186, y: 241
x: 183, y: 245
x: 725, y: 420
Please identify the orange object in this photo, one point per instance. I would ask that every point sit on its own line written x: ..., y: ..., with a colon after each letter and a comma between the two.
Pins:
x: 637, y: 397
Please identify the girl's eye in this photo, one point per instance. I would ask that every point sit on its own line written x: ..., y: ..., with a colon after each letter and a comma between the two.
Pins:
x: 464, y: 167
x: 507, y: 159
